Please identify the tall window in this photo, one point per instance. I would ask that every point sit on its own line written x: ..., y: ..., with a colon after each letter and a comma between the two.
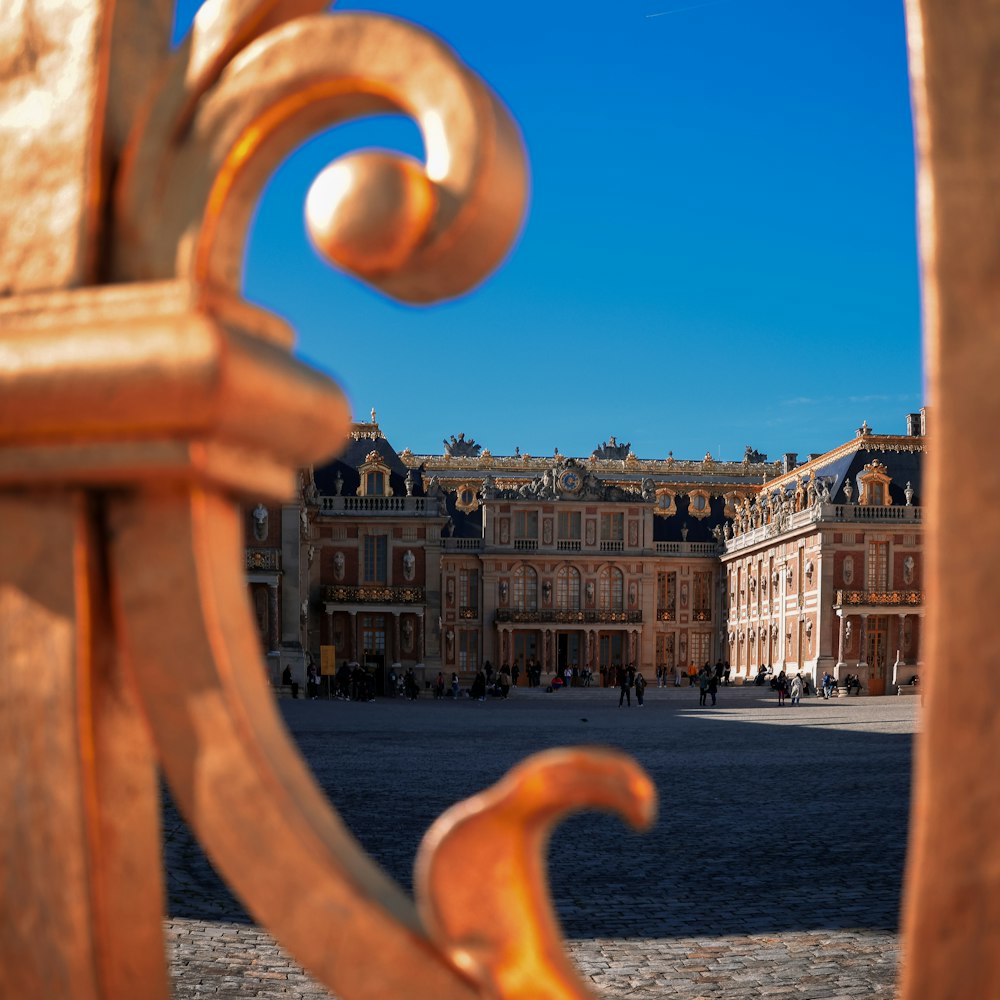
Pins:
x: 468, y: 649
x: 568, y: 588
x: 700, y: 648
x: 612, y: 527
x: 878, y: 566
x: 569, y: 525
x: 611, y: 590
x: 525, y: 589
x: 468, y: 588
x: 525, y: 524
x: 666, y: 592
x: 876, y: 493
x: 376, y: 547
x: 373, y: 634
x: 702, y: 595
x: 375, y: 484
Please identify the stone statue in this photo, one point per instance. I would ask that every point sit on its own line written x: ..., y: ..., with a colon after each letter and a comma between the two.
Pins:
x: 409, y: 482
x: 908, y: 567
x: 311, y: 554
x: 338, y: 483
x: 260, y: 522
x: 409, y: 565
x: 648, y: 489
x: 684, y: 532
x: 338, y: 566
x: 407, y: 634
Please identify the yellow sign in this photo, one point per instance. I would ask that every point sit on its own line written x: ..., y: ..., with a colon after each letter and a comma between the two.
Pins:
x: 328, y: 660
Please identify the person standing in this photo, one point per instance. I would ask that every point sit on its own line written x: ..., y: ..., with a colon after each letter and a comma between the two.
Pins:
x: 713, y: 685
x: 703, y: 679
x: 312, y: 682
x: 286, y: 679
x: 624, y: 684
x: 781, y: 686
x: 640, y: 687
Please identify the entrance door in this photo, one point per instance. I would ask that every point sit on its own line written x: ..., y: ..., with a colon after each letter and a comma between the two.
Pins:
x: 568, y: 650
x: 611, y: 647
x: 525, y: 647
x: 878, y: 641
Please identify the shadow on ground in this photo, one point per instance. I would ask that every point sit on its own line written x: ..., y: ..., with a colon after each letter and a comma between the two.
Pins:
x: 771, y: 819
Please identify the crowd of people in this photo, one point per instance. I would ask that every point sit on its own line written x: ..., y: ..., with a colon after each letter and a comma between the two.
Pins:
x: 354, y: 682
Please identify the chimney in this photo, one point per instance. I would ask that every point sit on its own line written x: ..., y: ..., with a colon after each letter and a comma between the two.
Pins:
x: 914, y: 424
x: 789, y: 460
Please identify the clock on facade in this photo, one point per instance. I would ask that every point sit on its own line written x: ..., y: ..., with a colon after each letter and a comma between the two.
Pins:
x: 569, y: 481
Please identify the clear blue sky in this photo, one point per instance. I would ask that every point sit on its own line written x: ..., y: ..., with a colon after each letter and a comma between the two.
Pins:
x: 720, y: 248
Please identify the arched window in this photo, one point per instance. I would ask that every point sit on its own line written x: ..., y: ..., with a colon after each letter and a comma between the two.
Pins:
x: 525, y: 589
x: 611, y: 592
x: 568, y: 588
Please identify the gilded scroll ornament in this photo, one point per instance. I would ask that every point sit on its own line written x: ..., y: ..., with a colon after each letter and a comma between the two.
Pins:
x: 132, y: 378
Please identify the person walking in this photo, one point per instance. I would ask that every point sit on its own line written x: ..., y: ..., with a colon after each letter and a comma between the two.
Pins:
x: 504, y: 680
x: 624, y: 684
x: 286, y: 679
x: 640, y: 687
x: 312, y: 682
x: 795, y: 689
x: 713, y: 685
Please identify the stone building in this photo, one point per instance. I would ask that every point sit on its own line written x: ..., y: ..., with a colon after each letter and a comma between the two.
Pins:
x: 441, y: 562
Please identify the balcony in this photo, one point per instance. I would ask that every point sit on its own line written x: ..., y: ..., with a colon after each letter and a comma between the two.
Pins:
x: 687, y: 549
x: 566, y: 616
x: 378, y: 505
x: 525, y: 544
x: 467, y: 611
x: 845, y: 513
x: 373, y: 595
x: 858, y: 599
x: 666, y: 615
x: 462, y: 544
x: 262, y: 560
x: 612, y: 546
x: 568, y: 545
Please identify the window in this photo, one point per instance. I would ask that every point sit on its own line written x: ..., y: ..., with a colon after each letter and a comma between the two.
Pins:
x: 468, y: 649
x: 568, y: 588
x: 525, y: 589
x: 373, y: 634
x: 468, y: 589
x: 611, y: 589
x: 375, y: 484
x: 612, y: 527
x: 700, y: 648
x: 569, y: 525
x: 666, y: 595
x: 878, y: 566
x: 526, y: 524
x: 702, y: 596
x: 376, y: 547
x: 374, y: 474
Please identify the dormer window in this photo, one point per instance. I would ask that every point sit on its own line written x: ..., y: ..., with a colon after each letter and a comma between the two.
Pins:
x: 874, y: 481
x: 374, y: 476
x: 666, y: 505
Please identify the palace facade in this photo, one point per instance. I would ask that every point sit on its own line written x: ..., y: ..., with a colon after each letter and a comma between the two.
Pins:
x: 441, y: 562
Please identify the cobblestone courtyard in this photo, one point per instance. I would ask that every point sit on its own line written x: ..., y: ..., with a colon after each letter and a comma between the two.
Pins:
x: 775, y: 868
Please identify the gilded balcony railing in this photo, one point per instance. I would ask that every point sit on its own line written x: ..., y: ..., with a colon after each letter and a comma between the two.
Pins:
x: 880, y: 598
x: 373, y: 594
x: 263, y: 559
x: 564, y: 616
x: 141, y: 399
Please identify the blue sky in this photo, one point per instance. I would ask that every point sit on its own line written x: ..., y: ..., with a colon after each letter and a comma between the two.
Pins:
x: 720, y: 248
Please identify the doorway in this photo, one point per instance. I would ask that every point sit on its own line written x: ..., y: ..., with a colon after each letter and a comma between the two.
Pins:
x: 878, y: 641
x: 611, y: 647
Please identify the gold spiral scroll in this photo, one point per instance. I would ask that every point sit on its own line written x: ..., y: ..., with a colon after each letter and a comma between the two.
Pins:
x: 223, y: 121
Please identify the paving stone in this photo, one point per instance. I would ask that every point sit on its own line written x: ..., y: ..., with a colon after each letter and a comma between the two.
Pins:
x: 775, y: 868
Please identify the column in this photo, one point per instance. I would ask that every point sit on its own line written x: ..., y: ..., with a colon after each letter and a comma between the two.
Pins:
x: 902, y: 631
x: 329, y: 628
x: 420, y: 637
x: 840, y: 639
x: 272, y: 617
x: 863, y: 641
x: 352, y: 639
x: 397, y: 647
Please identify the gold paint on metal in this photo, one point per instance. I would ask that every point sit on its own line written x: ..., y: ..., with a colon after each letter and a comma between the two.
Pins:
x: 140, y: 398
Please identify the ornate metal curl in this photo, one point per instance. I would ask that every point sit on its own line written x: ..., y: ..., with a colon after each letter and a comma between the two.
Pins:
x: 132, y: 414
